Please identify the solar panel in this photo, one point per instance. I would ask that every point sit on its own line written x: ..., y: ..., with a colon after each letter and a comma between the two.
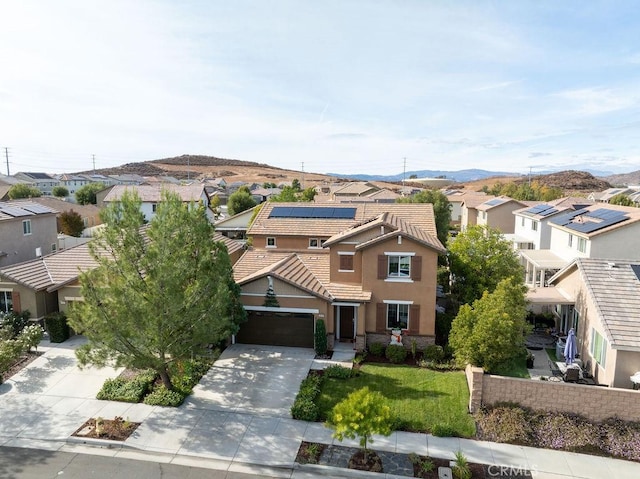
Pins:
x: 591, y: 226
x: 15, y: 212
x: 536, y: 209
x: 312, y: 213
x: 495, y: 202
x: 37, y: 209
x: 548, y: 211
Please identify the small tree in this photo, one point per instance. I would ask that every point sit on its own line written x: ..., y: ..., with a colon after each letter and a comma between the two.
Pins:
x: 240, y: 201
x: 622, y: 200
x: 362, y: 414
x: 87, y: 194
x: 320, y: 338
x: 22, y: 190
x: 70, y: 223
x: 60, y: 191
x: 270, y: 299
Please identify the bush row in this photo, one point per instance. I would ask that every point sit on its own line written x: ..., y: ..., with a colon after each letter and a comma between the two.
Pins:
x: 128, y: 390
x: 304, y: 407
x: 513, y: 424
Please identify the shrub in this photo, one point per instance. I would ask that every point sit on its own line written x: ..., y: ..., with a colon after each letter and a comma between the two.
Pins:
x: 396, y: 353
x: 507, y: 423
x: 304, y: 407
x: 448, y: 365
x: 161, y: 396
x: 337, y: 371
x: 461, y: 469
x: 15, y: 321
x: 320, y: 338
x: 434, y: 353
x: 57, y: 326
x: 377, y: 349
x: 127, y: 390
x: 360, y: 357
x: 443, y: 430
x: 30, y: 337
x: 186, y: 374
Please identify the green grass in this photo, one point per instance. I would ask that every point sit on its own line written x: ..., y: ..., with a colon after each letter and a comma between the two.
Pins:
x: 516, y: 368
x: 419, y: 398
x: 551, y: 352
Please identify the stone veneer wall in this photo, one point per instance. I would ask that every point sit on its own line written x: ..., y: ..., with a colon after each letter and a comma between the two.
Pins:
x: 593, y: 402
x: 421, y: 341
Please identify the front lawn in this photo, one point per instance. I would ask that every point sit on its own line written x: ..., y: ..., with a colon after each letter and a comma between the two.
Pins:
x: 420, y: 399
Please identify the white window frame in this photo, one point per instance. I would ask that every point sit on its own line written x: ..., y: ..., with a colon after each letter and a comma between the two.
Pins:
x: 345, y: 253
x: 598, y: 347
x: 398, y: 257
x: 400, y: 305
x: 271, y: 242
x: 314, y: 243
x: 582, y: 244
x: 26, y: 227
x: 54, y: 247
x: 570, y: 240
x: 534, y: 225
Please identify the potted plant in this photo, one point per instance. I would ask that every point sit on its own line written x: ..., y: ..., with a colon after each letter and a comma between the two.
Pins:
x: 530, y: 359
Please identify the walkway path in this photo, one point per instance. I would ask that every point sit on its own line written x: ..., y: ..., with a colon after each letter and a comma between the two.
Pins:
x: 46, y: 402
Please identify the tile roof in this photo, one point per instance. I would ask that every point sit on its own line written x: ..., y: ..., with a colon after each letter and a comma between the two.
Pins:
x: 51, y: 271
x: 420, y: 215
x: 60, y: 205
x: 356, y: 188
x: 231, y: 244
x: 153, y: 193
x: 10, y: 210
x: 499, y: 201
x: 615, y: 289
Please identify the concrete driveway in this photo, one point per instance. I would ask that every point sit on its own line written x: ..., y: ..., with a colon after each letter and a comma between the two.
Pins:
x: 251, y: 379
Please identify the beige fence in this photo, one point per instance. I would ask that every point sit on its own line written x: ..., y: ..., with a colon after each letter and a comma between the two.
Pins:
x: 595, y: 403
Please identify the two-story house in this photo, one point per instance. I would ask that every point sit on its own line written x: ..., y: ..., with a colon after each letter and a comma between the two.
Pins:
x: 364, y: 268
x: 73, y: 182
x: 44, y: 182
x: 27, y: 230
x: 497, y: 213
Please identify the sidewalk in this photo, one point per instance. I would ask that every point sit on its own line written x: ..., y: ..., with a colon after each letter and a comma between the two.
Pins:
x: 46, y: 402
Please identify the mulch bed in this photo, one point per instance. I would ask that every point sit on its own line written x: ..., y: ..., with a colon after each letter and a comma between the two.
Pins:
x: 21, y: 363
x: 409, y: 360
x: 116, y: 429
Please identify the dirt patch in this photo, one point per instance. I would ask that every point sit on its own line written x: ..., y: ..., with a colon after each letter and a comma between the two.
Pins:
x: 310, y: 452
x: 21, y: 363
x: 116, y: 429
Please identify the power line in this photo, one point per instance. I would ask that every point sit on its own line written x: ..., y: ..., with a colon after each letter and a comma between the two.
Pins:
x: 6, y: 154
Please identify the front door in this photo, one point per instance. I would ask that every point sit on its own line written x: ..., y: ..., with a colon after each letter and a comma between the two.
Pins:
x: 347, y: 318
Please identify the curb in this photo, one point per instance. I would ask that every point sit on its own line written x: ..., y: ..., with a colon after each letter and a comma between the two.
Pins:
x: 331, y: 471
x: 103, y: 443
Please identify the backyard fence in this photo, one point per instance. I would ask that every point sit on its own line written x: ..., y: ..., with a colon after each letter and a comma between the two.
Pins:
x: 593, y: 402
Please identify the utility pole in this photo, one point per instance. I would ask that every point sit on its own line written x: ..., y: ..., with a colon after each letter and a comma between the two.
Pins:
x: 188, y: 171
x: 6, y: 154
x: 94, y: 164
x: 404, y: 172
x: 302, y: 186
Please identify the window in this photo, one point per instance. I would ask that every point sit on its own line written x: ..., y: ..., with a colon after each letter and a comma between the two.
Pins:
x: 522, y: 221
x: 399, y: 267
x: 26, y: 227
x: 313, y: 243
x: 346, y: 262
x: 582, y: 245
x: 6, y: 302
x: 54, y: 247
x: 397, y: 316
x: 271, y: 242
x: 598, y: 347
x: 570, y: 240
x: 534, y: 225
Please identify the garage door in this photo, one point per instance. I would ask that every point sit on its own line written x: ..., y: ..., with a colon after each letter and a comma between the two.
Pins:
x: 277, y: 329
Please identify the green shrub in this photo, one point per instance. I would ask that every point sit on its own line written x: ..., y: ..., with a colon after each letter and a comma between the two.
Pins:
x: 337, y: 371
x: 185, y: 375
x: 56, y: 325
x: 448, y: 365
x: 360, y: 357
x: 377, y: 349
x: 15, y: 321
x: 396, y: 353
x: 30, y: 337
x: 461, y: 468
x: 320, y: 338
x: 304, y: 409
x: 434, y: 353
x: 127, y: 390
x: 161, y: 396
x: 443, y: 430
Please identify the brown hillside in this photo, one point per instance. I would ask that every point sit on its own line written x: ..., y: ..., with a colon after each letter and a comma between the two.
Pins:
x: 625, y: 179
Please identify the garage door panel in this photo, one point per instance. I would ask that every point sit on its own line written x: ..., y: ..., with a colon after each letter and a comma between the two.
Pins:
x: 277, y: 329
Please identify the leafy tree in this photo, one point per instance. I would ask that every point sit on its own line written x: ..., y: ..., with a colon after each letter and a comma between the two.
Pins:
x: 622, y: 200
x: 22, y: 190
x: 362, y: 414
x: 86, y: 195
x: 60, y: 191
x: 441, y: 209
x: 525, y: 191
x: 158, y: 293
x: 295, y: 184
x: 479, y: 259
x: 492, y: 331
x: 70, y: 223
x: 308, y: 194
x: 268, y: 184
x: 288, y: 195
x: 240, y: 201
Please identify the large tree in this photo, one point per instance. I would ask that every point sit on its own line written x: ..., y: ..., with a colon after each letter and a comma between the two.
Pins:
x: 493, y: 330
x: 479, y: 259
x: 70, y: 223
x: 441, y: 210
x: 240, y: 201
x: 22, y: 190
x: 160, y: 292
x: 86, y: 195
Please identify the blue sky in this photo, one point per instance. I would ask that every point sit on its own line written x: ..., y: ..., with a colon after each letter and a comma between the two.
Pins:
x: 344, y: 86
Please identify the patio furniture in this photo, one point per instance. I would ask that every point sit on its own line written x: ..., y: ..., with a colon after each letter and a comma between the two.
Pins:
x: 572, y: 375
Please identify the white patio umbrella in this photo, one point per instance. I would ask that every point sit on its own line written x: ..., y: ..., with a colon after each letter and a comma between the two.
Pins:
x: 570, y: 347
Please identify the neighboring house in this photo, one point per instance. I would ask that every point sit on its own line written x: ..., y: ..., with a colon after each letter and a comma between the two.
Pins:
x: 97, y: 178
x: 532, y: 229
x: 606, y: 195
x: 358, y: 188
x: 90, y: 214
x: 219, y: 182
x: 44, y: 182
x: 129, y: 179
x: 592, y: 232
x: 73, y: 182
x: 497, y: 213
x: 27, y: 230
x: 234, y: 248
x: 604, y: 311
x: 151, y: 195
x: 260, y: 194
x: 457, y: 199
x: 235, y: 227
x: 365, y: 269
x: 150, y: 180
x: 48, y: 284
x: 469, y: 211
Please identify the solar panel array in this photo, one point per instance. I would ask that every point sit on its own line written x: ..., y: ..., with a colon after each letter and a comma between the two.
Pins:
x: 541, y: 210
x: 14, y: 211
x: 35, y: 208
x: 495, y: 202
x: 591, y: 221
x: 312, y: 213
